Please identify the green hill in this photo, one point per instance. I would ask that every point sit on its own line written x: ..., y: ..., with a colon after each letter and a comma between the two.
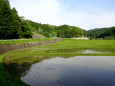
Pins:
x: 105, y: 33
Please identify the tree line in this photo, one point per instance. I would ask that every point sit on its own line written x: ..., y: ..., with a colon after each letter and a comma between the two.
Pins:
x: 102, y: 33
x: 63, y: 31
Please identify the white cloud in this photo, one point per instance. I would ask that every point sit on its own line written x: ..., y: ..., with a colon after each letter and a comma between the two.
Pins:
x: 89, y: 21
x: 39, y: 10
x: 55, y: 13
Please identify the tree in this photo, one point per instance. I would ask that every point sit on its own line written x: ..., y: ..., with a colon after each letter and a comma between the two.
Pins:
x: 26, y: 29
x: 66, y: 31
x: 9, y: 25
x: 17, y: 22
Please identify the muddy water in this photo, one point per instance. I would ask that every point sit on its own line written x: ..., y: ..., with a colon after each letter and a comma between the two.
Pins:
x: 64, y: 70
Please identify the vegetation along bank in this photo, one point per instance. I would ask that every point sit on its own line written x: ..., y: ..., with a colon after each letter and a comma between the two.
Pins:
x: 9, y: 47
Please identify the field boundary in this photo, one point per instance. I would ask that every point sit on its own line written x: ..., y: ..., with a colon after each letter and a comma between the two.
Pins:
x: 9, y: 47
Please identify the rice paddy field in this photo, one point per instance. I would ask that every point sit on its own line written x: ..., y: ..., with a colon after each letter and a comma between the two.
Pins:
x: 66, y: 49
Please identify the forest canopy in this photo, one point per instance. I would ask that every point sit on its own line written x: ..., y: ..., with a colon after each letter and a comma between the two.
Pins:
x: 104, y: 33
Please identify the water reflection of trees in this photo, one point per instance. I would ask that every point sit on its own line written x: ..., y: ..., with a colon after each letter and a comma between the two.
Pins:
x: 79, y: 50
x: 62, y: 50
x: 16, y: 69
x: 20, y: 67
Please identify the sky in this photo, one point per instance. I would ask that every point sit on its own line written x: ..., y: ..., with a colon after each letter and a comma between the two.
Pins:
x: 86, y: 14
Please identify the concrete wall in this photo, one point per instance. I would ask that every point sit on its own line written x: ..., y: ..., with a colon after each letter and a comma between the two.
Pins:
x: 9, y: 47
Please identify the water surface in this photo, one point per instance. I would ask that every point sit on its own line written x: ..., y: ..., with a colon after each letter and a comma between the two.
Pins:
x: 64, y: 70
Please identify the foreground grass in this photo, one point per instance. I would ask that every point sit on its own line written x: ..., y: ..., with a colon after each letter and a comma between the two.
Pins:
x: 8, y: 80
x: 23, y: 41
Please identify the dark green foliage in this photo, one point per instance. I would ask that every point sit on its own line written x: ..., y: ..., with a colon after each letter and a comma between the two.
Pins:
x: 105, y: 33
x: 63, y: 31
x: 96, y: 32
x: 48, y: 30
x: 26, y: 30
x: 66, y: 31
x: 7, y: 22
x: 34, y: 25
x: 110, y: 34
x: 17, y: 22
x: 10, y: 23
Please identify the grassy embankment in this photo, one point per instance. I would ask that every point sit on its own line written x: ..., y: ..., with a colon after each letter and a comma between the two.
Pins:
x: 23, y: 41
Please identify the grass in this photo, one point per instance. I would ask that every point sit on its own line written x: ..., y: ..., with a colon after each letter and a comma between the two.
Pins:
x: 73, y: 43
x: 8, y: 80
x: 23, y: 41
x: 39, y: 34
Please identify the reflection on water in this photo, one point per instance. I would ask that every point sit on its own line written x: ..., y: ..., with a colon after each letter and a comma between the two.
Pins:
x: 65, y: 50
x: 75, y: 50
x: 18, y: 70
x: 64, y: 71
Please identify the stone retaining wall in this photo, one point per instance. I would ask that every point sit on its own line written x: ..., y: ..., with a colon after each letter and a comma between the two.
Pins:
x: 9, y: 47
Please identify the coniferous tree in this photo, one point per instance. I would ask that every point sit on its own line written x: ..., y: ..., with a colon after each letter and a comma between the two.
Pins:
x: 17, y: 22
x: 11, y: 25
x: 8, y: 23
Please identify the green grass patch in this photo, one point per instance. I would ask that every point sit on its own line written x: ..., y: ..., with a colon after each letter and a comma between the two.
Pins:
x: 87, y: 44
x: 23, y: 41
x: 8, y: 80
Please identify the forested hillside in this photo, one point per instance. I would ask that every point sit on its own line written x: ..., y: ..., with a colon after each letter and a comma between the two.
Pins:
x: 63, y: 31
x: 105, y: 33
x: 14, y: 27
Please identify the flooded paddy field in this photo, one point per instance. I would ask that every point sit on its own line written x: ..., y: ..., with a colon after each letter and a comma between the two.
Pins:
x: 66, y: 63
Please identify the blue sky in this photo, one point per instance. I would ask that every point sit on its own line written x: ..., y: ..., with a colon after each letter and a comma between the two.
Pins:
x: 86, y: 14
x: 90, y: 5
